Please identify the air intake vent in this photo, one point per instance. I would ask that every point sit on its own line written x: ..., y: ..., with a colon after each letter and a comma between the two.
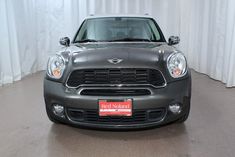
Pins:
x: 115, y: 92
x: 116, y: 76
x: 139, y: 116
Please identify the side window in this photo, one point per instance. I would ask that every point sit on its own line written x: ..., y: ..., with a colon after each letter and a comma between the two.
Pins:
x: 84, y: 35
x: 83, y: 32
x: 154, y: 34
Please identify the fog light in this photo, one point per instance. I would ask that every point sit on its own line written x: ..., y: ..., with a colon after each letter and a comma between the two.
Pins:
x: 175, y: 108
x: 58, y: 110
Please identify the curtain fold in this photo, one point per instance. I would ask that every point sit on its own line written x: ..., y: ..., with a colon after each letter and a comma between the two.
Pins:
x: 30, y: 31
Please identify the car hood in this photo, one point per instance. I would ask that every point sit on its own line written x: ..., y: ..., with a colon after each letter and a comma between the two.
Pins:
x: 133, y: 55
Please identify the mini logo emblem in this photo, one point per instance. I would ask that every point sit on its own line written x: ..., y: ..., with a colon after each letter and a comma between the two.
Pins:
x: 115, y: 60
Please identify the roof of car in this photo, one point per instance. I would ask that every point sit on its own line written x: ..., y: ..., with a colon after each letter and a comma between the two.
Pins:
x: 103, y: 16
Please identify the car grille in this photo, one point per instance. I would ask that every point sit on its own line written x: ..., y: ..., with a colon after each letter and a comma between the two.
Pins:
x: 115, y: 92
x: 116, y: 76
x: 139, y: 116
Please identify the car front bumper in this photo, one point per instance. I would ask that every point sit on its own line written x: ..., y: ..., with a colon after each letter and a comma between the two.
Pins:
x: 159, y: 100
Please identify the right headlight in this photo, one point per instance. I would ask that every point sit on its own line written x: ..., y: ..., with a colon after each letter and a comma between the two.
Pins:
x: 55, y: 67
x: 177, y: 65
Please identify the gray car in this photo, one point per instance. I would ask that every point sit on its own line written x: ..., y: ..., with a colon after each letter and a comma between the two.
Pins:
x: 118, y: 73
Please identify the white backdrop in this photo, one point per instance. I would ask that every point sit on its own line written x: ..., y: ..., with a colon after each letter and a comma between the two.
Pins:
x: 30, y: 31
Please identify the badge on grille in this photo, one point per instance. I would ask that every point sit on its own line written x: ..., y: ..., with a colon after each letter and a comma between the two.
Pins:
x: 115, y: 60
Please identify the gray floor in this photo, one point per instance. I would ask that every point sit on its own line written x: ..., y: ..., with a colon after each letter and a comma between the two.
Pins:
x: 25, y: 130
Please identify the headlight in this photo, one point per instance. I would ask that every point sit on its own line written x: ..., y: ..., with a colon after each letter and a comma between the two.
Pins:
x: 55, y: 67
x: 177, y: 65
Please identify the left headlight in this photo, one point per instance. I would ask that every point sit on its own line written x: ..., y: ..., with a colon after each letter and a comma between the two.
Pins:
x: 177, y: 65
x: 56, y: 66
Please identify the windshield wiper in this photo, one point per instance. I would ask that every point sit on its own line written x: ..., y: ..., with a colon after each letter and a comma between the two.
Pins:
x: 86, y: 40
x: 130, y: 39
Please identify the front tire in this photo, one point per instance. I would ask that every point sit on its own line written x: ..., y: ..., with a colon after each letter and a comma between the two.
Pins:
x: 51, y: 116
x: 185, y: 116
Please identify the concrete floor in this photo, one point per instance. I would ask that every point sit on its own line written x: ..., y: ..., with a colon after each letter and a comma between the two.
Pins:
x: 25, y: 130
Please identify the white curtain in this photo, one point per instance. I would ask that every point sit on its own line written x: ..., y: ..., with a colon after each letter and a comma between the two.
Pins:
x: 30, y: 31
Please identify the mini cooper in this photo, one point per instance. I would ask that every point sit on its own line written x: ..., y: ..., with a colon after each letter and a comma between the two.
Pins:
x: 118, y: 72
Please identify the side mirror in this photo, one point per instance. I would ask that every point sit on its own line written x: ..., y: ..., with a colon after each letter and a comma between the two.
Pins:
x: 173, y: 40
x: 65, y: 41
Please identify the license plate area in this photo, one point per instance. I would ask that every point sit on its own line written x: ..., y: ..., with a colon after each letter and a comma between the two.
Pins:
x: 115, y: 107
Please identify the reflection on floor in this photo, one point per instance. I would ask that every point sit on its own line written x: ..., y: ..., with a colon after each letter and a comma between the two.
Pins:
x: 25, y: 130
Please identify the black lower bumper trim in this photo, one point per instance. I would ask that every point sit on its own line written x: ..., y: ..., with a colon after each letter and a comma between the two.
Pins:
x: 139, y: 116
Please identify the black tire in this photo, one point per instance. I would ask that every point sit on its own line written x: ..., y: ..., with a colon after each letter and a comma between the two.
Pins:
x: 185, y: 116
x: 51, y: 116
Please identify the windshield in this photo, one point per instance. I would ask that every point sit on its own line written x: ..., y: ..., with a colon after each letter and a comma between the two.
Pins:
x: 111, y: 29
